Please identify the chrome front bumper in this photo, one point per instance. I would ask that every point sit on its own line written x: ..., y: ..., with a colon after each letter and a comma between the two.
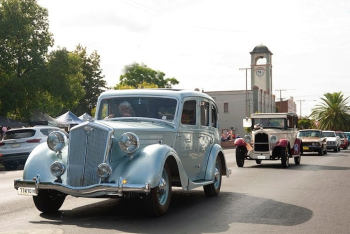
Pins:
x: 112, y: 189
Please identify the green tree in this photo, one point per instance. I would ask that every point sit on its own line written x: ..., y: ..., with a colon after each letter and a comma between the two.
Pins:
x: 64, y: 82
x: 24, y: 42
x: 332, y: 113
x: 135, y: 75
x: 305, y: 124
x: 93, y: 82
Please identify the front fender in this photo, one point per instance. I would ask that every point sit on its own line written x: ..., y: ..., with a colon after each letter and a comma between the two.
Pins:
x: 282, y: 143
x: 39, y: 162
x: 240, y: 142
x: 144, y: 167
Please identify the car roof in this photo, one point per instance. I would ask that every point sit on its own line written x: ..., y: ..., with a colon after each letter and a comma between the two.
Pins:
x: 177, y: 93
x: 304, y: 130
x: 35, y: 127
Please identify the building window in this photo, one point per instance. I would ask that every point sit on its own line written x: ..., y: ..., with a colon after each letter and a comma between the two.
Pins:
x: 226, y: 107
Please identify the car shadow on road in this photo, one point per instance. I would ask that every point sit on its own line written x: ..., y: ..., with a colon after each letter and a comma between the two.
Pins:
x: 301, y: 167
x: 189, y: 212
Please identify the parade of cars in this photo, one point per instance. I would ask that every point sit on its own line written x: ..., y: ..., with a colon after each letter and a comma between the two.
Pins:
x: 140, y: 144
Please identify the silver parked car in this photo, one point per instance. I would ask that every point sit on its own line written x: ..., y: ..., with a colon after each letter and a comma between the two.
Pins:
x: 141, y: 144
x: 17, y: 144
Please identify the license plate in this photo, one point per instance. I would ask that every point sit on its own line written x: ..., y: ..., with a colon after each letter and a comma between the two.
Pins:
x: 26, y: 191
x: 261, y: 157
x: 15, y: 145
x: 305, y: 148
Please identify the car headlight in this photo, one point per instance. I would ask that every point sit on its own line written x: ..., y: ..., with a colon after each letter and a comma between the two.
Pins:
x: 248, y: 138
x: 129, y: 142
x: 273, y: 139
x: 57, y: 169
x: 104, y: 170
x: 57, y: 140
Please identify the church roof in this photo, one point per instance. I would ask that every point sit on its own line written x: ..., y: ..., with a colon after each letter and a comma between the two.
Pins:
x: 261, y: 49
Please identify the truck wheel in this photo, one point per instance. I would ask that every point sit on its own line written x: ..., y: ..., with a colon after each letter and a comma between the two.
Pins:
x: 258, y: 161
x: 48, y: 201
x: 212, y: 190
x: 284, y: 157
x: 158, y: 200
x: 240, y: 155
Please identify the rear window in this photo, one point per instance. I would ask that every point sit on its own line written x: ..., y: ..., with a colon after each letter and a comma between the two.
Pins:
x: 19, y: 134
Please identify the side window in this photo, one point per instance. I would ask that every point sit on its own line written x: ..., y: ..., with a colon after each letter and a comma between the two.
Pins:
x: 189, y: 113
x: 226, y: 107
x: 214, y: 117
x: 45, y: 131
x: 204, y: 113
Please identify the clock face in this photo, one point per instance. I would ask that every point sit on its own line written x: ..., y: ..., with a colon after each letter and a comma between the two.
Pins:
x: 260, y: 72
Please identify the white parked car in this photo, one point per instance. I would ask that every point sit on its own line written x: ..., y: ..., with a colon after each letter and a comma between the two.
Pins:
x: 17, y: 144
x: 333, y: 141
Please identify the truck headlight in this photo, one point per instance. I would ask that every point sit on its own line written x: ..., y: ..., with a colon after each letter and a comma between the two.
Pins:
x: 57, y: 140
x: 273, y: 139
x: 129, y: 142
x: 248, y: 138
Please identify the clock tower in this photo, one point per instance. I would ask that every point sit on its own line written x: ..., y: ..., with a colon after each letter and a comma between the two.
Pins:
x: 261, y: 68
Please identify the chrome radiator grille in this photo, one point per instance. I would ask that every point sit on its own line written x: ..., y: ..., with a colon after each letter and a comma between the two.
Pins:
x: 87, y: 149
x: 261, y: 142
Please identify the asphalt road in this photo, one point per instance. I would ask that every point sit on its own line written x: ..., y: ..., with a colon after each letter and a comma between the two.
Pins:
x: 310, y: 198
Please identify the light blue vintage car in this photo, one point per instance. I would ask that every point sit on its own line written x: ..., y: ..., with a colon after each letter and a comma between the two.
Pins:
x: 141, y: 143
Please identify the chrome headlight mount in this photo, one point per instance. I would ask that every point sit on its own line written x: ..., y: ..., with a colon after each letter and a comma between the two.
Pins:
x: 129, y: 142
x: 57, y: 140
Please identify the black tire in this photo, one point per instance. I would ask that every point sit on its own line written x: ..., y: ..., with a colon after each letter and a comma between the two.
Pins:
x: 258, y: 161
x: 48, y: 201
x: 284, y: 157
x: 297, y: 160
x: 240, y: 155
x: 10, y: 166
x: 212, y: 190
x: 158, y: 200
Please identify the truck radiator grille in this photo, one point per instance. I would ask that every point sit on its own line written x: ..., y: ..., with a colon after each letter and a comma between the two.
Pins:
x: 261, y: 142
x: 87, y: 149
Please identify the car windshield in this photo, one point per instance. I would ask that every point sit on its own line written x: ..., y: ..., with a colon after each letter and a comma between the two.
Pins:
x: 148, y: 107
x: 309, y: 134
x: 268, y: 122
x: 341, y: 135
x: 329, y: 134
x: 19, y: 134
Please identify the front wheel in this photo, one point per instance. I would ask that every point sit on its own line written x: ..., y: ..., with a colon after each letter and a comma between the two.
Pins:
x: 297, y: 160
x: 240, y: 155
x: 48, y: 201
x: 158, y: 200
x: 284, y: 157
x: 212, y: 190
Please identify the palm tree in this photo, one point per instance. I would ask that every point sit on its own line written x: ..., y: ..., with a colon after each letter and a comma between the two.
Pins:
x: 332, y: 113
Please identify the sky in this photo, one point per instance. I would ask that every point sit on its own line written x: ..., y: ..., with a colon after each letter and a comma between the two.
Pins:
x: 203, y: 43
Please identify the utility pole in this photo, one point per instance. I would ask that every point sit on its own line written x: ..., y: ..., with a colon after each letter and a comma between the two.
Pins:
x: 281, y: 97
x: 246, y: 90
x: 300, y: 106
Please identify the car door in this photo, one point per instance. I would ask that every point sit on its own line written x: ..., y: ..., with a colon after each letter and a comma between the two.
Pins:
x: 187, y: 137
